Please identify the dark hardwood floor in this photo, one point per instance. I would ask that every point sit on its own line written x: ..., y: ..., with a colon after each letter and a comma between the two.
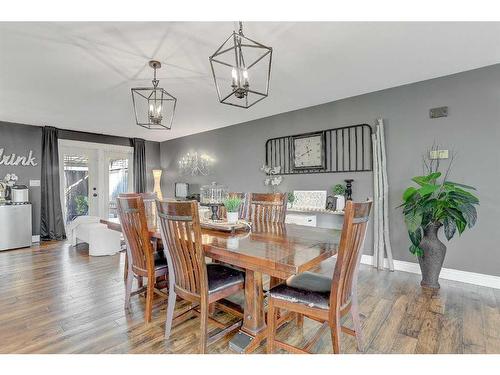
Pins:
x: 56, y: 299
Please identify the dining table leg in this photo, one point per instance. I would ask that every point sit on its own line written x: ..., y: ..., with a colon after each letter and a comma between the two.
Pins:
x: 254, y: 328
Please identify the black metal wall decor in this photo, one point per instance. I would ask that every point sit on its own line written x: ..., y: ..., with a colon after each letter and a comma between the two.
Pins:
x: 348, y: 189
x: 345, y: 149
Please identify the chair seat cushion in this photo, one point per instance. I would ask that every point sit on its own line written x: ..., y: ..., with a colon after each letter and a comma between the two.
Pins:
x: 307, y: 288
x: 221, y: 276
x: 160, y: 260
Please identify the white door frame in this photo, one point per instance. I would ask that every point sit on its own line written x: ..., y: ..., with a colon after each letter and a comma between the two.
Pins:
x: 100, y: 153
x: 106, y: 157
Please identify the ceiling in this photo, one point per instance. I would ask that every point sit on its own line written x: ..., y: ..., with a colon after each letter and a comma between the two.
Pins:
x: 78, y: 75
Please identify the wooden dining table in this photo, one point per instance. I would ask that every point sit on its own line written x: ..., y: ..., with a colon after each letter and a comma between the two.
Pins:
x: 277, y: 250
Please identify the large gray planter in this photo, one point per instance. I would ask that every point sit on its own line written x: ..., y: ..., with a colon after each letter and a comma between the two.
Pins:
x: 432, y: 260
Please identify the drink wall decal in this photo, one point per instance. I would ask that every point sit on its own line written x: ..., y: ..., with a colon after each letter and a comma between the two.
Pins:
x: 13, y: 159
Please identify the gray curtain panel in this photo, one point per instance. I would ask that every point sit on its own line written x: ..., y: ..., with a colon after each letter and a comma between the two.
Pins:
x: 139, y: 165
x: 52, y: 219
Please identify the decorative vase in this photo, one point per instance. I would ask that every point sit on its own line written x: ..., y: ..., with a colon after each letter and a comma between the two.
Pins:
x: 339, y: 203
x: 232, y: 217
x: 432, y: 260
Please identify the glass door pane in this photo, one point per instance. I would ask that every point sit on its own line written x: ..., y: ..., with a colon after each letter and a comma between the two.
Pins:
x: 118, y: 177
x: 76, y: 186
x: 92, y: 176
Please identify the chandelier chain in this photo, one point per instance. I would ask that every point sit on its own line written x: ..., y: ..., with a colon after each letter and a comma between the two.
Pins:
x: 155, y: 81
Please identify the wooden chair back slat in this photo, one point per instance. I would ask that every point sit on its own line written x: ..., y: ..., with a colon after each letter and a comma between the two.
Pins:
x: 349, y: 254
x: 180, y: 227
x: 135, y: 229
x: 267, y: 208
x: 150, y: 208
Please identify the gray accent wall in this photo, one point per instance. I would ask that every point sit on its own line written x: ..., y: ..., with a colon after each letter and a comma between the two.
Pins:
x: 472, y: 130
x: 20, y: 138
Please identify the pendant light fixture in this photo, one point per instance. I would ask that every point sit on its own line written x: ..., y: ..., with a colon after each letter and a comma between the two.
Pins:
x: 154, y: 107
x: 241, y: 68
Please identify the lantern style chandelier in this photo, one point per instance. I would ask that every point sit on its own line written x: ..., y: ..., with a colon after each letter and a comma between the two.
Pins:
x: 241, y: 68
x: 154, y: 107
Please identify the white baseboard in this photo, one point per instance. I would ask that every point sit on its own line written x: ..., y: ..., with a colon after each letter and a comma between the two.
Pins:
x: 35, y: 239
x: 446, y: 273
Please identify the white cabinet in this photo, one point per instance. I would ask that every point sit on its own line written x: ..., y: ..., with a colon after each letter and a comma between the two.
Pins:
x: 15, y: 226
x: 307, y: 220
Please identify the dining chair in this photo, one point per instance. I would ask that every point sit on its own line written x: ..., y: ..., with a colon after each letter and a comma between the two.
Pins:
x: 150, y: 211
x: 190, y: 277
x: 265, y: 212
x: 322, y: 298
x: 143, y: 261
x: 267, y: 208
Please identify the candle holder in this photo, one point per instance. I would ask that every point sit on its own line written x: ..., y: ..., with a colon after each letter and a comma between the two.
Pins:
x: 213, y: 195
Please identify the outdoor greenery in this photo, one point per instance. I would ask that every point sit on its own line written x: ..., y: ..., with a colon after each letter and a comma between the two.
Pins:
x: 439, y: 201
x: 82, y: 205
x: 291, y: 197
x: 232, y: 204
x: 338, y: 189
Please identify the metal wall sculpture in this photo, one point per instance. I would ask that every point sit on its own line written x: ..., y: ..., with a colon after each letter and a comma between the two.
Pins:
x: 346, y: 149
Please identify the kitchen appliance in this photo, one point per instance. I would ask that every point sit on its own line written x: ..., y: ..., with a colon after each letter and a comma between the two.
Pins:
x: 3, y: 191
x: 15, y: 225
x: 181, y: 190
x: 19, y: 194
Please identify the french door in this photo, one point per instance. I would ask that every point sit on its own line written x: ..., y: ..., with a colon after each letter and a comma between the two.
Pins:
x: 91, y: 177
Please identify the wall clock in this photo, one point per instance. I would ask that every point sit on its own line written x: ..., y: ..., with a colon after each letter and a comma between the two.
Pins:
x: 308, y: 151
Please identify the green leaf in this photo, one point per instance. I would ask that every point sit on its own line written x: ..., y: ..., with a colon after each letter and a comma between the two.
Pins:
x: 413, y: 220
x: 449, y: 227
x: 460, y: 225
x: 421, y: 180
x: 416, y: 237
x: 464, y: 195
x: 409, y: 193
x: 427, y: 189
x: 434, y: 176
x: 451, y: 183
x: 415, y: 250
x: 469, y: 213
x: 455, y: 214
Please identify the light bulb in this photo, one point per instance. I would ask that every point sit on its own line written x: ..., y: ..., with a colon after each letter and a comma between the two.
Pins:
x: 234, y: 74
x: 245, y: 77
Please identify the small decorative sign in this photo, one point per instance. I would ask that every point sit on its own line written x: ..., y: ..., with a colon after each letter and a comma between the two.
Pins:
x: 309, y: 199
x: 13, y: 159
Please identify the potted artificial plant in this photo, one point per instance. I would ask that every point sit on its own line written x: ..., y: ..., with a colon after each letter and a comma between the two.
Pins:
x: 435, y: 203
x: 339, y: 194
x: 291, y: 199
x: 232, y: 207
